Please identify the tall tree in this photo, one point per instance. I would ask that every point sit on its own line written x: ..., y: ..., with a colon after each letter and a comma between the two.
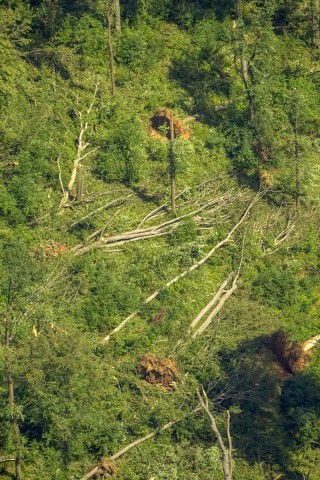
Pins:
x: 172, y: 166
x: 109, y: 15
x: 117, y: 11
x: 315, y: 20
x: 17, y: 275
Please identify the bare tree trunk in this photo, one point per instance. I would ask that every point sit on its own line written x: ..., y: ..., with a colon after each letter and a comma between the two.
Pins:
x: 172, y: 167
x: 11, y: 402
x: 111, y: 56
x: 245, y: 66
x: 297, y: 164
x: 117, y: 12
x: 80, y: 184
x: 315, y: 21
x: 225, y: 452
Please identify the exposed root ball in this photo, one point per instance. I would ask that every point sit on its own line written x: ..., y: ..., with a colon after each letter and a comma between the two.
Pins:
x: 290, y: 353
x: 158, y: 371
x: 49, y: 249
x: 106, y: 469
x: 162, y: 119
x: 266, y: 178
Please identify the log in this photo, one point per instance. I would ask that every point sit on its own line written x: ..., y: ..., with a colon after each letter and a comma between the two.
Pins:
x: 131, y: 445
x: 215, y: 311
x: 104, y: 207
x: 309, y: 344
x: 212, y: 302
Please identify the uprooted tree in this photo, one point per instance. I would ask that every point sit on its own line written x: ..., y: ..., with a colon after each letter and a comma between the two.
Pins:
x: 293, y: 355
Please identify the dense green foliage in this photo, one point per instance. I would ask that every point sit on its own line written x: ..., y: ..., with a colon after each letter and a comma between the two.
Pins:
x: 249, y: 73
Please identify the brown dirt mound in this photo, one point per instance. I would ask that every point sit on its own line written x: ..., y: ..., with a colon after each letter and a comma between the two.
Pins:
x: 158, y: 371
x: 290, y: 353
x: 162, y: 119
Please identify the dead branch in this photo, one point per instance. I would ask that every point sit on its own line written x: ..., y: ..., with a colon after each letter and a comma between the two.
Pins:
x: 60, y: 176
x: 283, y: 236
x: 196, y: 265
x: 152, y: 214
x: 7, y: 459
x: 225, y: 452
x: 228, y: 418
x: 101, y: 231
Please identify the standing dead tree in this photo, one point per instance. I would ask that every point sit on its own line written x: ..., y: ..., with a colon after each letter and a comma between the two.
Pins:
x: 81, y: 154
x: 195, y: 266
x: 226, y: 452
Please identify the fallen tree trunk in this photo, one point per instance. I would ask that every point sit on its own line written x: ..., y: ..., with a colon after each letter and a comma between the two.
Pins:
x: 195, y: 266
x: 132, y: 445
x: 215, y: 311
x: 309, y: 344
x: 7, y: 459
x: 212, y: 302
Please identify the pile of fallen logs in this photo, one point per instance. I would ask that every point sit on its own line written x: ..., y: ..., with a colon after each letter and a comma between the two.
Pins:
x: 99, y: 240
x: 196, y: 265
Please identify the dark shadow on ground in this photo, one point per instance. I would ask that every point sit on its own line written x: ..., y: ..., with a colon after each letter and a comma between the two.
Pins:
x: 274, y: 407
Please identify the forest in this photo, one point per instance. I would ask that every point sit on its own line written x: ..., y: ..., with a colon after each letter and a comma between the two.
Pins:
x: 159, y: 239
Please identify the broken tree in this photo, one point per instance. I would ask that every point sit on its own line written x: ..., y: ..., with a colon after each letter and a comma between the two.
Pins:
x: 81, y: 155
